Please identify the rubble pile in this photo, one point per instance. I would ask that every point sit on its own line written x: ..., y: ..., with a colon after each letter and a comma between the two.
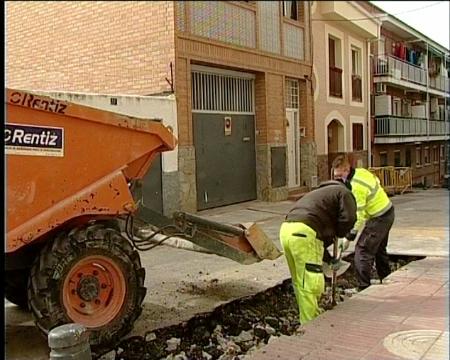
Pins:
x: 235, y: 329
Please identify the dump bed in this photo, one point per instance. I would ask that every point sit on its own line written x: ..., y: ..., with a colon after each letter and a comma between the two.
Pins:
x: 67, y: 161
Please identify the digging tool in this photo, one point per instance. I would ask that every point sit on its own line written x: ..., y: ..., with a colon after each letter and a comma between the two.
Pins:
x: 336, y: 268
x: 334, y: 274
x: 338, y: 264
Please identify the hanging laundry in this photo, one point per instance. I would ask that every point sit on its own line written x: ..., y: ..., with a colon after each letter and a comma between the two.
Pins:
x: 412, y: 57
x: 394, y: 49
x: 402, y: 51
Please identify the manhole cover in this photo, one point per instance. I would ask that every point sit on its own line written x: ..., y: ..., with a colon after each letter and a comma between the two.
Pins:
x: 411, y: 344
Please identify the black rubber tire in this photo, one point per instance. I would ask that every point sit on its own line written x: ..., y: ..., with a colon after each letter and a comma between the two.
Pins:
x: 16, y: 287
x: 53, y: 265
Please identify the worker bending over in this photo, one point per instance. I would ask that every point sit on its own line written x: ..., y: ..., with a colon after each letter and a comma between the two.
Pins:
x: 310, y: 227
x: 375, y: 217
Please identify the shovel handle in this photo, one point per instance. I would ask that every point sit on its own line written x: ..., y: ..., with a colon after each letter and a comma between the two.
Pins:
x: 333, y: 278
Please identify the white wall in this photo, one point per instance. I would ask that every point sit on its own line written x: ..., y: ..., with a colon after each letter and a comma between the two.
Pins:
x: 146, y: 107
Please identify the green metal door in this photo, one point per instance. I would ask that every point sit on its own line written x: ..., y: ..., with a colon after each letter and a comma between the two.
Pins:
x: 152, y: 187
x: 225, y: 159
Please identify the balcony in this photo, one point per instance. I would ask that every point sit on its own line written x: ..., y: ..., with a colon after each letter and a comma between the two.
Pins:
x: 437, y: 127
x: 389, y: 68
x: 400, y: 70
x: 440, y: 83
x: 396, y: 129
x: 399, y: 126
x: 345, y: 12
x: 356, y: 88
x: 335, y: 82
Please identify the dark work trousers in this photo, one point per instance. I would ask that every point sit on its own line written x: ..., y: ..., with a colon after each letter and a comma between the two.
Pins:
x: 372, y: 246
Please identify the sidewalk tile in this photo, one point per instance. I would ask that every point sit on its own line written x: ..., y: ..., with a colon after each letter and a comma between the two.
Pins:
x: 439, y: 350
x: 358, y: 328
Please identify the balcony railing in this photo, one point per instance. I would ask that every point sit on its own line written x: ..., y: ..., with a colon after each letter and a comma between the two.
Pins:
x: 440, y: 83
x: 399, y: 126
x: 437, y: 127
x: 399, y: 69
x: 356, y: 88
x: 335, y: 82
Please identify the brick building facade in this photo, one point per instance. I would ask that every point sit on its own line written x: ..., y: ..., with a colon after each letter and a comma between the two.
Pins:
x: 242, y: 83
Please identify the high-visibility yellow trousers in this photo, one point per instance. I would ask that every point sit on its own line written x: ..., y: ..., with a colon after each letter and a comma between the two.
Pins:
x: 302, y: 251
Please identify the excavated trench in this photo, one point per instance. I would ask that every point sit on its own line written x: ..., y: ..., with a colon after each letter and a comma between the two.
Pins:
x: 237, y: 328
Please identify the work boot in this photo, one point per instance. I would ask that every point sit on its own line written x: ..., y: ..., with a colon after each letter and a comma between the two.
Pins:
x: 351, y: 291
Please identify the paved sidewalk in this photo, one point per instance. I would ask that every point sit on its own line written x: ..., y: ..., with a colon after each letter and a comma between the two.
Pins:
x: 406, y: 318
x: 182, y: 284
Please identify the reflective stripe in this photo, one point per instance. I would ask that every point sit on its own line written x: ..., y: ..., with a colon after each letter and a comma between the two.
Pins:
x: 383, y: 211
x: 363, y: 183
x: 360, y: 208
x: 373, y: 193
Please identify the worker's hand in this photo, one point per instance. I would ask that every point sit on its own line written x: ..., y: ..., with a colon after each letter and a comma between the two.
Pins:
x: 351, y: 235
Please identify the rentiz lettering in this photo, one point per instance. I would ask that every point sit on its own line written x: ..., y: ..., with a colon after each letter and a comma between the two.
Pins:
x: 34, y: 140
x: 36, y: 102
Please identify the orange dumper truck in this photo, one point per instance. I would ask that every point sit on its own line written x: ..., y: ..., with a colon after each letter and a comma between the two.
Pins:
x: 70, y: 171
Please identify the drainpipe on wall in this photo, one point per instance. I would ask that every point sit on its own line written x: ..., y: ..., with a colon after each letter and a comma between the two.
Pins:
x: 369, y: 123
x: 428, y: 94
x: 369, y: 85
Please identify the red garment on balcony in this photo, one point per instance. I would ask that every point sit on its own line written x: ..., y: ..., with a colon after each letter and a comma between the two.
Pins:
x: 402, y: 51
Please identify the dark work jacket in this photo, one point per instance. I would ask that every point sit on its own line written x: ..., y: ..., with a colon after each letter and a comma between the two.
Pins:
x: 329, y: 210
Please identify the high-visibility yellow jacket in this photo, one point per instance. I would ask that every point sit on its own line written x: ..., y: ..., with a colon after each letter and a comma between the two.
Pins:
x: 371, y: 199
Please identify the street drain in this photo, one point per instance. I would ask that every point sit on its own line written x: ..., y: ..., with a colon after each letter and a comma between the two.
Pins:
x: 234, y: 329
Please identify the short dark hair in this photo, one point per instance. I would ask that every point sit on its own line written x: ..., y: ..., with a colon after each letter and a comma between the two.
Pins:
x: 340, y: 161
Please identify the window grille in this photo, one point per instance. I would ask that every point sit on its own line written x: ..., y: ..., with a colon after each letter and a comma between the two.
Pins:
x: 292, y: 94
x: 290, y: 9
x: 221, y: 93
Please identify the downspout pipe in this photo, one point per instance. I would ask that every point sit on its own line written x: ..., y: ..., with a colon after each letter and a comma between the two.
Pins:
x: 369, y: 105
x: 369, y: 115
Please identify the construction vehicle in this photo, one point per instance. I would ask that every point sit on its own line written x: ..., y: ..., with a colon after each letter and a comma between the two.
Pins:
x: 71, y: 249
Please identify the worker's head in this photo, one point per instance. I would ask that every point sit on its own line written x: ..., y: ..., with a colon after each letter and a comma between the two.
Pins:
x: 341, y: 168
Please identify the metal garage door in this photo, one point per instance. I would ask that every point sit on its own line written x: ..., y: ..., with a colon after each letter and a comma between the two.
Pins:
x: 224, y: 137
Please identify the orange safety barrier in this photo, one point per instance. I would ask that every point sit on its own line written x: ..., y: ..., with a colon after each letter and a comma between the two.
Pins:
x: 395, y: 180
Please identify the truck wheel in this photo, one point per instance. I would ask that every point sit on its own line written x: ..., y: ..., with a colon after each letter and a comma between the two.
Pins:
x: 16, y: 287
x: 91, y: 276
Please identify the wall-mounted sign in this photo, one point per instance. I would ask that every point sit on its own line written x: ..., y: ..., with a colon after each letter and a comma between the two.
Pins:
x: 227, y: 125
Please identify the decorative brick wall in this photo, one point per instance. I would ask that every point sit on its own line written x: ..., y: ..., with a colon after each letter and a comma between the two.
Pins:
x: 105, y: 47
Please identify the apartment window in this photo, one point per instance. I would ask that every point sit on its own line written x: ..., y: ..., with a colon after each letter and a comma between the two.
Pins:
x: 334, y: 56
x: 383, y: 158
x: 426, y: 155
x: 356, y: 75
x: 292, y: 94
x: 397, y: 158
x: 356, y: 61
x: 290, y: 10
x: 436, y: 154
x: 408, y: 157
x: 406, y: 108
x: 358, y: 137
x: 418, y: 156
x: 396, y: 106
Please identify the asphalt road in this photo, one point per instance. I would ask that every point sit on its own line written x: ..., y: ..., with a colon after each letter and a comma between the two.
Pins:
x: 182, y: 283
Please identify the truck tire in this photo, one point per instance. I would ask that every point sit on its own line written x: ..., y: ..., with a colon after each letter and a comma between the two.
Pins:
x: 91, y: 276
x: 16, y: 287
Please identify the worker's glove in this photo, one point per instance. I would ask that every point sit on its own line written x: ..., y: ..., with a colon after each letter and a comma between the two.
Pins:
x: 335, y: 264
x: 351, y: 235
x: 344, y: 245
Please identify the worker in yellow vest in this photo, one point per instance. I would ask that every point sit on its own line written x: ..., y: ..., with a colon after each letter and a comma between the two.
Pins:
x: 375, y: 216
